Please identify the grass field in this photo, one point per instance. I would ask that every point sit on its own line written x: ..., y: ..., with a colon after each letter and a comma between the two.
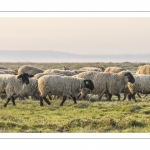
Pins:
x: 84, y: 117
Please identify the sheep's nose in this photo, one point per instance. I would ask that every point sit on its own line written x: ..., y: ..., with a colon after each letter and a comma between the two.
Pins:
x: 27, y: 82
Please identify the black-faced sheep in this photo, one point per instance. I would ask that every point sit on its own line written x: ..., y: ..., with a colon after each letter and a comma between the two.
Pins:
x: 62, y: 86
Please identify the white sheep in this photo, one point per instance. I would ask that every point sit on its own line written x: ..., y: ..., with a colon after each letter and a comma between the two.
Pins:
x: 100, y: 69
x: 65, y: 72
x: 4, y: 68
x: 141, y: 85
x: 2, y: 72
x: 47, y: 71
x: 12, y: 85
x: 61, y: 86
x: 114, y: 69
x: 29, y: 90
x: 66, y: 68
x: 78, y: 71
x: 145, y: 69
x: 110, y: 83
x: 29, y: 69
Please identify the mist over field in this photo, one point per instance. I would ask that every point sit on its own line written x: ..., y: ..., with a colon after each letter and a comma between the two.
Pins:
x: 57, y: 56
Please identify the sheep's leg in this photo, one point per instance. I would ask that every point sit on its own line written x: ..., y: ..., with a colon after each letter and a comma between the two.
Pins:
x: 100, y: 96
x: 13, y: 101
x: 50, y: 97
x: 129, y: 96
x: 109, y: 96
x: 79, y: 96
x: 41, y: 101
x: 64, y: 99
x: 46, y: 100
x: 133, y: 96
x: 74, y: 99
x: 84, y: 97
x: 5, y: 105
x: 118, y: 96
x: 143, y: 96
x: 125, y: 96
x: 138, y: 94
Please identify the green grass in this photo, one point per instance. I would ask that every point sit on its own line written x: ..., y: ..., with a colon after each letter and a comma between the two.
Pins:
x: 84, y: 117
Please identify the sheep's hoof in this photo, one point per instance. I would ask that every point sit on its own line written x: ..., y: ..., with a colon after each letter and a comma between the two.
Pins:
x: 41, y: 104
x: 5, y: 105
x: 61, y: 104
x: 48, y: 103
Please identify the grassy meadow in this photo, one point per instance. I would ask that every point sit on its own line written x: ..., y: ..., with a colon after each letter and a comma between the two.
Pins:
x: 84, y: 117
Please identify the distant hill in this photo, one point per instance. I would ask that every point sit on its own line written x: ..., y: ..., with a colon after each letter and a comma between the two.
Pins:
x: 55, y: 56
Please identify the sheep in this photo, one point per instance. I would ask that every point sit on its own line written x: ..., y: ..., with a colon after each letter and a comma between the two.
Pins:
x: 2, y: 72
x: 3, y: 68
x: 3, y: 96
x: 110, y: 83
x: 78, y: 71
x: 29, y: 69
x: 61, y: 86
x: 47, y: 71
x: 101, y: 69
x: 29, y: 90
x: 114, y: 69
x: 141, y: 85
x: 14, y: 72
x: 66, y: 68
x: 65, y: 72
x: 127, y: 92
x: 145, y: 69
x: 12, y: 85
x: 38, y: 75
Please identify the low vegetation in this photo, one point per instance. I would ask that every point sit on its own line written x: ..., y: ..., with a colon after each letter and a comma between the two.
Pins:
x: 84, y: 117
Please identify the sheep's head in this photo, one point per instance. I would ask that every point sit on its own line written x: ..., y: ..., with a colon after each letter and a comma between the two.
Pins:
x: 102, y: 68
x: 24, y: 77
x: 89, y: 84
x: 129, y: 76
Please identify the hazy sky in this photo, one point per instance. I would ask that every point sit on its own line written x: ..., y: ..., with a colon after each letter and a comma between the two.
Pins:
x: 76, y: 35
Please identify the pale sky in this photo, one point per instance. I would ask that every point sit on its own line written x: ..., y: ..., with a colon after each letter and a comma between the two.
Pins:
x: 99, y: 35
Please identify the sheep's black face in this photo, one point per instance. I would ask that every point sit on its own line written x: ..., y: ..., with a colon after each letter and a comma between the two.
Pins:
x: 130, y: 77
x: 24, y: 77
x: 89, y: 84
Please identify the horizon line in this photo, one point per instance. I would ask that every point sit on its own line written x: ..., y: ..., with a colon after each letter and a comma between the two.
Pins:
x: 80, y: 54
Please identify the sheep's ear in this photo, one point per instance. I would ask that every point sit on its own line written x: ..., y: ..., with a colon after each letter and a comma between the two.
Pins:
x: 86, y: 82
x: 31, y: 76
x: 19, y: 76
x: 14, y: 73
x: 126, y: 74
